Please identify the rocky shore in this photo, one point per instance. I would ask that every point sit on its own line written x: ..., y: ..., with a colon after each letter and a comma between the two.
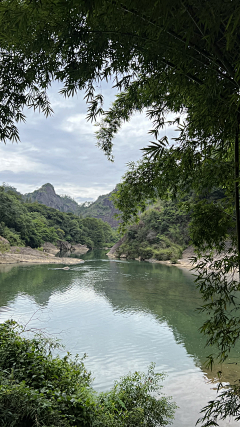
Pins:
x: 184, y: 262
x: 28, y: 255
x: 46, y: 255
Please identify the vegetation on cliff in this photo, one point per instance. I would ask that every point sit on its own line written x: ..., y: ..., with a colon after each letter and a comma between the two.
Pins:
x: 103, y: 208
x: 165, y: 227
x: 39, y: 389
x: 33, y: 224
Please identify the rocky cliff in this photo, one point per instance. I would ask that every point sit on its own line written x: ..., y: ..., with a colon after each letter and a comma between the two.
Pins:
x: 47, y: 196
x: 103, y: 208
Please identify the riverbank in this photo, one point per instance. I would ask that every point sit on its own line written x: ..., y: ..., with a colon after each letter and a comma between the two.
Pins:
x: 184, y: 262
x: 16, y: 255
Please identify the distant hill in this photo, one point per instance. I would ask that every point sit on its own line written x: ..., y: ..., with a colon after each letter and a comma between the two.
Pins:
x: 32, y: 224
x: 103, y: 208
x: 10, y: 189
x: 47, y: 196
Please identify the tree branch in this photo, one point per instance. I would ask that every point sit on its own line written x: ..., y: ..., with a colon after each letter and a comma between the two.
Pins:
x: 226, y: 65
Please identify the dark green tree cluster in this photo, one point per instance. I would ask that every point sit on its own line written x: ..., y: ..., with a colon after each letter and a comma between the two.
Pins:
x: 37, y: 389
x: 32, y: 224
x: 161, y: 233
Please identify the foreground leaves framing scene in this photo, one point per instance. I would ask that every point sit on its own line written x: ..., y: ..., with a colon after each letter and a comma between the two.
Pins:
x: 39, y: 389
x: 179, y: 62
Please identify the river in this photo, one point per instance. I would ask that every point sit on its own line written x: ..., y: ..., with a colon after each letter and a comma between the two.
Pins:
x: 123, y: 315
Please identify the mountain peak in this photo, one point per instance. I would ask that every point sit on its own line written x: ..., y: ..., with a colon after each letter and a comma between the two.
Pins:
x: 46, y: 195
x: 49, y: 187
x: 102, y: 208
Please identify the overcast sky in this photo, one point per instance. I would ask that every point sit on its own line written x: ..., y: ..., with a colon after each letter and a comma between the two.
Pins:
x: 62, y: 150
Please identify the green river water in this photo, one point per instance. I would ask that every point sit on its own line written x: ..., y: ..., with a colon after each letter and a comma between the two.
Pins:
x: 124, y: 315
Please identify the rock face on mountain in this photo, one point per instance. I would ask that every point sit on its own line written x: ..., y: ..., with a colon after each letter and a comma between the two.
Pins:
x: 47, y: 196
x: 103, y: 208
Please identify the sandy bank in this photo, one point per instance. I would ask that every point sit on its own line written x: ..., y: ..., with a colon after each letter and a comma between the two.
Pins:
x: 17, y: 255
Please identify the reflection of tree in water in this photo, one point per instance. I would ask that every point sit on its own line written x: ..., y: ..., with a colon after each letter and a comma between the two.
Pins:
x: 37, y: 281
x: 167, y: 293
x: 170, y: 295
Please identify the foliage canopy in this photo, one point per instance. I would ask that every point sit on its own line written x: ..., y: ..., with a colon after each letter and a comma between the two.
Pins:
x: 181, y: 56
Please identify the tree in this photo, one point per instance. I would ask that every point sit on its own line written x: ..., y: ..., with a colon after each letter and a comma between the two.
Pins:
x: 181, y: 56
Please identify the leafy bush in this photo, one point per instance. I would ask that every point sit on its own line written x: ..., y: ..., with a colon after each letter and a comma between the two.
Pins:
x: 37, y: 389
x: 146, y: 253
x: 11, y: 235
x: 135, y: 400
x: 163, y: 254
x: 4, y: 247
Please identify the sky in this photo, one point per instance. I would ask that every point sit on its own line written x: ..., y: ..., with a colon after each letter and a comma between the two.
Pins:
x: 61, y: 150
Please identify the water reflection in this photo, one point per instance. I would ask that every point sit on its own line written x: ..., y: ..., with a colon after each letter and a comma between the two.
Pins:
x: 124, y: 315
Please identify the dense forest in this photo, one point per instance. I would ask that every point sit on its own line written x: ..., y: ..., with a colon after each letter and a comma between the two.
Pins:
x: 167, y: 227
x: 32, y: 224
x: 162, y: 233
x: 103, y: 208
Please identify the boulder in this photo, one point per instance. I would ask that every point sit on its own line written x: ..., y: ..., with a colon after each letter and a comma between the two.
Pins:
x: 4, y: 241
x: 64, y: 246
x: 79, y: 249
x: 50, y: 248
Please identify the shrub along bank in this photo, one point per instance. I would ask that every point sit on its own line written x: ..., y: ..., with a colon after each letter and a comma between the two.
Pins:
x: 37, y: 389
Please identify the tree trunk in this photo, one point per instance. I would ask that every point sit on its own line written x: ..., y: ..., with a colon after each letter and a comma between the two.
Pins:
x: 237, y: 191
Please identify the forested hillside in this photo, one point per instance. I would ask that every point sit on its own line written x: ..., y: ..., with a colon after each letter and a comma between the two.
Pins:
x: 33, y: 224
x: 103, y: 208
x: 161, y: 233
x: 167, y: 227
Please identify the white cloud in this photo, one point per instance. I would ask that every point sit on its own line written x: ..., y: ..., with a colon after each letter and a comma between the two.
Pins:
x: 16, y: 163
x: 78, y: 123
x: 62, y: 150
x: 80, y: 194
x: 25, y: 188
